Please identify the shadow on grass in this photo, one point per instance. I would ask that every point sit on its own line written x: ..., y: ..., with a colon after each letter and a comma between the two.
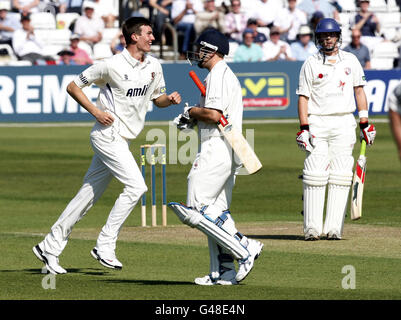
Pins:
x: 87, y: 271
x: 278, y: 237
x: 149, y: 282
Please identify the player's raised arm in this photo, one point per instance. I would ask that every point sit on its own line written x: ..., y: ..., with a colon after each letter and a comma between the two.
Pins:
x: 167, y: 100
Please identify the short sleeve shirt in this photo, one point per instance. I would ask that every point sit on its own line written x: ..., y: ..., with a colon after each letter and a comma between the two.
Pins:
x: 330, y: 87
x: 126, y: 87
x: 223, y: 93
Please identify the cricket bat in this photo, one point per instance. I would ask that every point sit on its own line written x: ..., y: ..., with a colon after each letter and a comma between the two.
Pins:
x: 357, y: 184
x: 234, y: 137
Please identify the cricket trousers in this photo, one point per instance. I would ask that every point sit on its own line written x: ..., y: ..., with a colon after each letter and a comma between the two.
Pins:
x: 112, y: 158
x: 210, y: 185
x: 329, y: 164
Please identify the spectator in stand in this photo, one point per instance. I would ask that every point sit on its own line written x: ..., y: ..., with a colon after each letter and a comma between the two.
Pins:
x: 368, y: 23
x: 66, y: 58
x: 106, y: 10
x: 26, y: 7
x: 8, y: 23
x: 304, y: 46
x: 324, y: 6
x: 266, y: 11
x: 289, y: 20
x: 358, y: 49
x: 248, y: 51
x: 276, y: 49
x: 236, y: 21
x: 88, y: 26
x: 163, y: 13
x: 118, y: 43
x: 258, y: 37
x: 210, y: 17
x: 26, y: 46
x: 80, y: 56
x: 183, y: 14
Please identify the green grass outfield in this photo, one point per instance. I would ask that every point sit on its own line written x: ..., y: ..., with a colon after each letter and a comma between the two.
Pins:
x: 41, y: 169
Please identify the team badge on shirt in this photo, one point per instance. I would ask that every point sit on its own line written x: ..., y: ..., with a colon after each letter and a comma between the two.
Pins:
x: 347, y: 71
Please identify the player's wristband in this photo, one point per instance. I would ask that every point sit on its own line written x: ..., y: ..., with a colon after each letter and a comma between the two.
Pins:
x: 363, y: 114
x: 304, y: 127
x: 363, y: 125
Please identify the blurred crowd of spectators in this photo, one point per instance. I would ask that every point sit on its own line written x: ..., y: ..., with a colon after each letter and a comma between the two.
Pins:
x: 258, y: 30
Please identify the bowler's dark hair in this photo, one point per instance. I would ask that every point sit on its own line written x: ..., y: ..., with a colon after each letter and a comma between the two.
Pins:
x: 133, y: 25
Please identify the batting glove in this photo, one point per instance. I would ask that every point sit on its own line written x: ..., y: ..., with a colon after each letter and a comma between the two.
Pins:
x: 367, y: 133
x: 304, y: 139
x: 183, y: 121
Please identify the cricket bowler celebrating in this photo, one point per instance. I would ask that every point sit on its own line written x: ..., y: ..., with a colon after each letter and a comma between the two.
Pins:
x: 328, y: 82
x: 212, y: 176
x: 127, y: 82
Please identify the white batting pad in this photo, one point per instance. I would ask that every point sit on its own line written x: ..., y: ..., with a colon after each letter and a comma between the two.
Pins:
x: 337, y: 199
x: 313, y: 208
x: 194, y: 219
x: 341, y: 170
x: 315, y: 177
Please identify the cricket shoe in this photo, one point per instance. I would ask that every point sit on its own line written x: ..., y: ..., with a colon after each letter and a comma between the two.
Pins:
x: 107, y: 260
x: 311, y: 235
x: 227, y: 278
x: 333, y: 235
x: 246, y: 265
x: 51, y: 261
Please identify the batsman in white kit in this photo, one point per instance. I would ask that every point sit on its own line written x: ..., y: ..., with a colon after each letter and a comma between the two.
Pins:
x: 212, y: 176
x: 127, y: 82
x: 328, y: 82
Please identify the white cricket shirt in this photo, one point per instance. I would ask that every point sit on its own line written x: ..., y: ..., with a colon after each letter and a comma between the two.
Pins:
x: 126, y: 87
x: 330, y: 87
x: 224, y: 93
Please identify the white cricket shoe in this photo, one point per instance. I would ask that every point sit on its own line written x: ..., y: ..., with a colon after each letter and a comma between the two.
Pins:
x: 107, y: 260
x: 227, y: 278
x: 333, y: 235
x: 311, y: 235
x: 205, y: 281
x: 245, y: 266
x: 51, y: 261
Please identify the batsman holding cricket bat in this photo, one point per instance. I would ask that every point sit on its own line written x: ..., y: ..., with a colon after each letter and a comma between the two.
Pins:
x: 328, y: 83
x: 212, y: 177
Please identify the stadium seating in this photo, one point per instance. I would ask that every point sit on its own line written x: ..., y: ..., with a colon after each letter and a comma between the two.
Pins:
x: 64, y: 20
x: 43, y: 20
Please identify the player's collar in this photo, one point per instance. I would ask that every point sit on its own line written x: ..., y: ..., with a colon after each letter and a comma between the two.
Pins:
x: 220, y: 64
x: 324, y: 58
x: 132, y: 61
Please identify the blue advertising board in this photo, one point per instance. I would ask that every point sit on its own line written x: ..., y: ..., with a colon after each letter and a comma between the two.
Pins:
x: 38, y: 93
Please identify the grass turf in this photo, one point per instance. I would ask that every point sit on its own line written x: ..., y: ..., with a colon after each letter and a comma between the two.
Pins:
x: 41, y: 169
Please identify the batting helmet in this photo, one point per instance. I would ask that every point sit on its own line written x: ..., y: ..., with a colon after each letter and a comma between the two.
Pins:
x: 325, y: 26
x: 209, y: 42
x: 214, y: 38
